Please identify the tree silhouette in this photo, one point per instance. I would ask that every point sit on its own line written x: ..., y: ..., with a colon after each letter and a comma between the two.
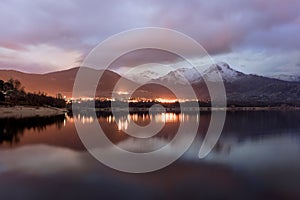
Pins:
x: 8, y: 86
x: 1, y: 85
x: 2, y: 97
x: 18, y: 96
x: 17, y: 84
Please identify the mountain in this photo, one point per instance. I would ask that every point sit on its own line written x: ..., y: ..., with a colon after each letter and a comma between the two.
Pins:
x: 285, y: 77
x: 227, y: 73
x: 181, y: 76
x: 191, y: 75
x: 239, y: 87
x: 62, y: 81
x: 254, y: 88
x: 143, y: 76
x: 242, y: 89
x: 52, y: 83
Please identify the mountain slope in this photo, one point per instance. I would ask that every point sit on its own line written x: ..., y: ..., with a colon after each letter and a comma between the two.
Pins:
x: 61, y: 81
x: 180, y: 76
x: 262, y: 89
x: 284, y: 77
x: 239, y: 87
x: 143, y: 76
x: 227, y: 73
x: 191, y: 75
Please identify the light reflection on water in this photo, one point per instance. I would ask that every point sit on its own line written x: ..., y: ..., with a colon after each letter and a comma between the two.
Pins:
x: 258, y: 156
x: 124, y: 120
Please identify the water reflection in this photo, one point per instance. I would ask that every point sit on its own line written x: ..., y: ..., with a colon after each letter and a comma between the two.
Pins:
x: 47, y: 160
x: 144, y: 119
x: 11, y: 130
x: 239, y: 127
x: 257, y: 157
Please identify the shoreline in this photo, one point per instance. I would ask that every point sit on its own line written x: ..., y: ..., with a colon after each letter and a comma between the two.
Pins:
x: 29, y: 111
x: 190, y: 109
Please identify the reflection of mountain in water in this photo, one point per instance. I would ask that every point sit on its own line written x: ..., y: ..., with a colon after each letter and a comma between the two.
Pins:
x: 239, y: 128
x: 243, y: 127
x: 11, y: 129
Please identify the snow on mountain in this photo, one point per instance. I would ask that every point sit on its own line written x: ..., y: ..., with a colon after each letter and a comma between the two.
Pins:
x: 143, y: 77
x: 228, y: 74
x: 184, y: 76
x: 191, y: 75
x: 181, y: 76
x: 285, y: 77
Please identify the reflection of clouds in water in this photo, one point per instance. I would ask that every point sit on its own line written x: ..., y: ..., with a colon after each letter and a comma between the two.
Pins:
x: 40, y: 159
x: 250, y: 155
x: 48, y: 160
x: 142, y: 145
x: 255, y: 155
x: 155, y: 143
x: 272, y: 160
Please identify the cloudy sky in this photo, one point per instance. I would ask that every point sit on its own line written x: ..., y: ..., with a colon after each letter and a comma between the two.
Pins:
x: 254, y: 36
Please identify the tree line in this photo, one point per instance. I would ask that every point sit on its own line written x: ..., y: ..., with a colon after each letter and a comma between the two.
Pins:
x: 13, y: 93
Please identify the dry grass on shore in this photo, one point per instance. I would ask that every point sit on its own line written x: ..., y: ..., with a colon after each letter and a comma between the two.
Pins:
x: 24, y: 111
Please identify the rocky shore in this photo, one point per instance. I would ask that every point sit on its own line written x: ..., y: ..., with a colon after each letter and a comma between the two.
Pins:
x: 25, y: 111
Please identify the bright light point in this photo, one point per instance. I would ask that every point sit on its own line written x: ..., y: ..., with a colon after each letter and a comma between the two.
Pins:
x: 161, y: 100
x: 122, y: 93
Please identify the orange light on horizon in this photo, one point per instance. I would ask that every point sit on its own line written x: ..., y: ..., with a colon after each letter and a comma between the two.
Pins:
x: 122, y: 93
x: 161, y: 100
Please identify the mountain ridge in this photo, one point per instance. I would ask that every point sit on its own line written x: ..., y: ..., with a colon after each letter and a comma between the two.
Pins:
x: 239, y: 86
x: 57, y: 82
x: 286, y: 77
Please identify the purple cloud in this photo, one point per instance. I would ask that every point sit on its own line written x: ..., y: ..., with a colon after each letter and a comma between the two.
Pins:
x: 77, y: 26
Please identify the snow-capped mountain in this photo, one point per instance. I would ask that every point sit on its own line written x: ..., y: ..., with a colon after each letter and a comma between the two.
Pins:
x: 178, y: 76
x: 143, y: 76
x: 240, y: 87
x: 227, y: 73
x: 181, y: 76
x: 191, y: 75
x: 285, y: 77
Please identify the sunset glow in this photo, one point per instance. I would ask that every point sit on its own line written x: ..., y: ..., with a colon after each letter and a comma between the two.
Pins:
x: 161, y: 100
x: 122, y: 93
x: 31, y: 46
x: 150, y: 99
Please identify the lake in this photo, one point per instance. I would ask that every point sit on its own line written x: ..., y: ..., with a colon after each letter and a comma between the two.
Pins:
x: 256, y: 157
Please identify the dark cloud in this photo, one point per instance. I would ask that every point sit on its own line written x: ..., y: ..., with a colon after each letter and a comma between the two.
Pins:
x: 144, y: 56
x: 221, y: 27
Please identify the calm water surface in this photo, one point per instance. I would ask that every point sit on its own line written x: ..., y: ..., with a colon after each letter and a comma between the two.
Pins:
x: 257, y: 157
